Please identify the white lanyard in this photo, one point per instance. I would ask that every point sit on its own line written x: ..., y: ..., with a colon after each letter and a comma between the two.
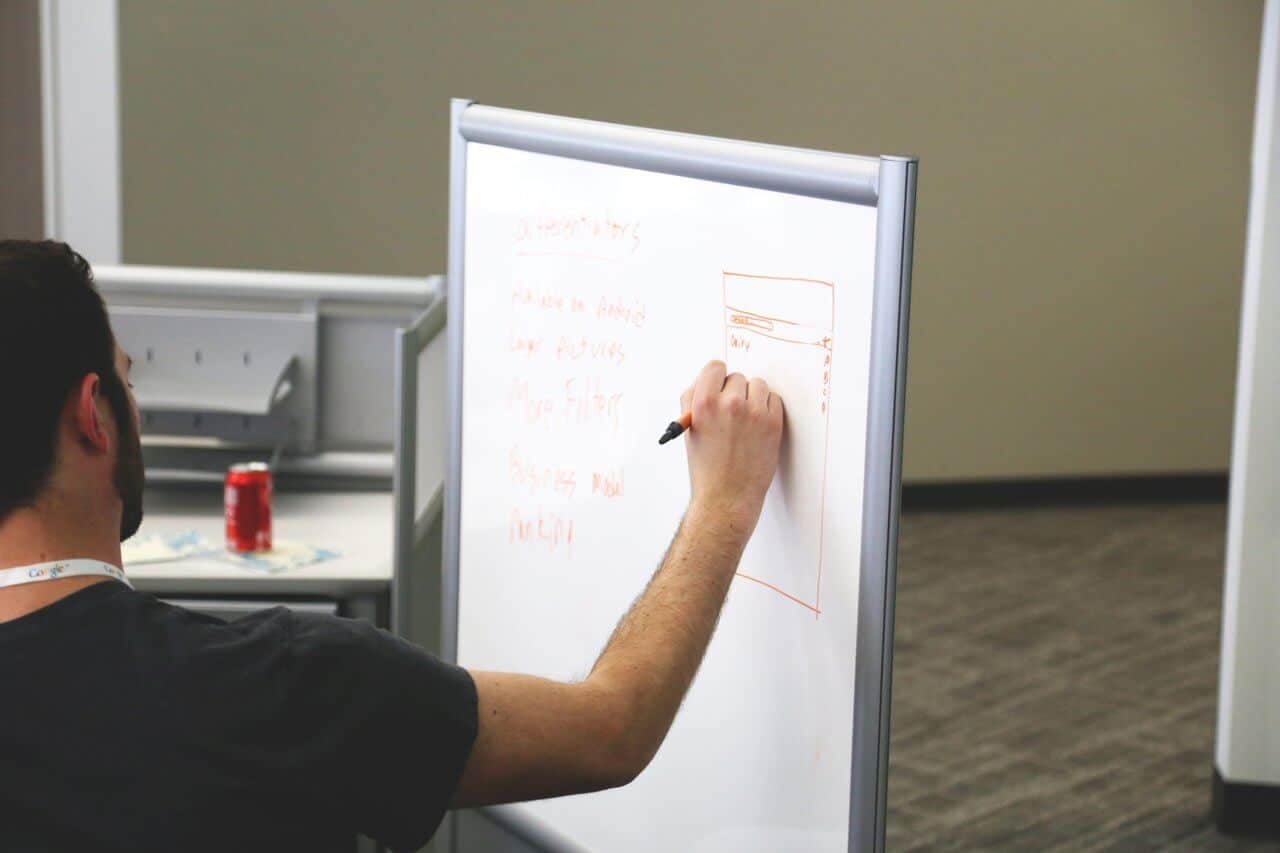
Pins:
x: 60, y: 569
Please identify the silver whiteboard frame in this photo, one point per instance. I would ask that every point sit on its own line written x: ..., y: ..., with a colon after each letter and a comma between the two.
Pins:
x: 886, y: 183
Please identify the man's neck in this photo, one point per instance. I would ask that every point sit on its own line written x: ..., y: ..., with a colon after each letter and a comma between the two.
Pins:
x: 40, y: 535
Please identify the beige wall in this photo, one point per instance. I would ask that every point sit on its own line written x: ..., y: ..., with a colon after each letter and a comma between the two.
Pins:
x: 1084, y: 171
x: 21, y: 165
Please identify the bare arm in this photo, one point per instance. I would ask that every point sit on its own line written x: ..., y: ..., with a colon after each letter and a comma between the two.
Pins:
x: 543, y: 738
x: 657, y: 648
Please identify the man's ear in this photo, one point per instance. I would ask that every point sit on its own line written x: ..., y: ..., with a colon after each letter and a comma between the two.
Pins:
x: 89, y: 423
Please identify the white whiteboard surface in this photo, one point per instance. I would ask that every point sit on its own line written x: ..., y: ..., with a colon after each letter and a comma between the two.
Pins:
x: 593, y: 294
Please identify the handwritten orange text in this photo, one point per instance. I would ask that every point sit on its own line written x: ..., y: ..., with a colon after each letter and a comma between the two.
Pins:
x: 579, y: 401
x: 630, y: 312
x: 609, y: 484
x: 529, y: 407
x: 534, y: 476
x: 593, y: 349
x: 588, y: 401
x: 546, y: 529
x: 521, y: 345
x: 543, y: 299
x: 581, y: 229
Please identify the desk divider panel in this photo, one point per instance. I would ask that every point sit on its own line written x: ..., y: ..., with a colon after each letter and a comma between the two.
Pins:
x: 420, y: 370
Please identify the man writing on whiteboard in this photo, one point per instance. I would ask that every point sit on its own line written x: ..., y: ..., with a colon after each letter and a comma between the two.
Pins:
x: 130, y: 724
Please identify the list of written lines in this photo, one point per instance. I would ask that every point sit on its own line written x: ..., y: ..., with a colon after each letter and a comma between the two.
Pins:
x: 593, y: 333
x: 553, y: 529
x: 564, y: 345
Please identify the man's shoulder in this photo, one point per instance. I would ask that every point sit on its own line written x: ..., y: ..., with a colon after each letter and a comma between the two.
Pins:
x: 270, y: 623
x: 271, y: 638
x: 198, y: 649
x: 277, y: 649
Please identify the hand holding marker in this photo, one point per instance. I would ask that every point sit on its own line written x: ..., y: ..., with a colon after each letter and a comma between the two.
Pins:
x: 676, y: 427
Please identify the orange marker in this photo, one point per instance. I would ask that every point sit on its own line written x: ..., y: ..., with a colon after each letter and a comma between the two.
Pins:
x: 676, y: 427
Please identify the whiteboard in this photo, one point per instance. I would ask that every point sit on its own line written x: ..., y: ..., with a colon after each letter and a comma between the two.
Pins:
x: 588, y: 295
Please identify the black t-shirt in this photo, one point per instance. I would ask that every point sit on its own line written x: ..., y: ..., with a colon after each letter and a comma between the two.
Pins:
x: 130, y: 724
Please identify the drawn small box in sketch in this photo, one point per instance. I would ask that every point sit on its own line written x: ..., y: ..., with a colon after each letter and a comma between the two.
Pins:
x: 781, y: 329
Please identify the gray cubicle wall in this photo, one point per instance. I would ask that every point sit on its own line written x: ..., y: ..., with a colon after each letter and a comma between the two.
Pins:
x: 342, y: 330
x: 421, y: 360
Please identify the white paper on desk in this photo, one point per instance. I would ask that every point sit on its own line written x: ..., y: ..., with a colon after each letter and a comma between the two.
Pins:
x: 284, y: 554
x: 158, y: 548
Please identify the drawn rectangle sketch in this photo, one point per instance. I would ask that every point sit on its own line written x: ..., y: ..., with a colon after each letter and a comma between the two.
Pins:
x: 781, y: 329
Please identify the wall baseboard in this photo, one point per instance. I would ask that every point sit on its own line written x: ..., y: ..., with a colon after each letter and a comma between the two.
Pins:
x: 1241, y: 808
x: 1066, y: 491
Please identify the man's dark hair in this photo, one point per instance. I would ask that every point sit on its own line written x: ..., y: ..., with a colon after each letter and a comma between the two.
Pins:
x: 53, y: 331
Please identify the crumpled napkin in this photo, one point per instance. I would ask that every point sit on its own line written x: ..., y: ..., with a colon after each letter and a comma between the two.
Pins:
x: 158, y: 548
x: 285, y: 554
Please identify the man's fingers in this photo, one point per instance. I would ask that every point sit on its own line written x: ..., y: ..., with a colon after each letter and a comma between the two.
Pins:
x: 709, y: 381
x: 758, y: 392
x: 736, y: 384
x: 686, y: 399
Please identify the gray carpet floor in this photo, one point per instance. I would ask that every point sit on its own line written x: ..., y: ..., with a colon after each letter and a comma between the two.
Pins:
x: 1055, y: 680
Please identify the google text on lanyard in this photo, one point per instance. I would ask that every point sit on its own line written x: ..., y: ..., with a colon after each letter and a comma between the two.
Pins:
x: 60, y: 569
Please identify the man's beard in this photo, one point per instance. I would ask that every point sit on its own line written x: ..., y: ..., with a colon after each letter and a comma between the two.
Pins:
x: 129, y: 475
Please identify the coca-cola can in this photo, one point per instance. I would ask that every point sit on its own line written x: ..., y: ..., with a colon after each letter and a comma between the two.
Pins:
x: 247, y: 501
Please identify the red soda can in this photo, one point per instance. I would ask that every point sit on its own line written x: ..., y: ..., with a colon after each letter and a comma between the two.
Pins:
x: 247, y: 501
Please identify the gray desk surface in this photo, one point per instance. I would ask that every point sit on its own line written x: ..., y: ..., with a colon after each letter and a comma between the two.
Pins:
x: 358, y: 525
